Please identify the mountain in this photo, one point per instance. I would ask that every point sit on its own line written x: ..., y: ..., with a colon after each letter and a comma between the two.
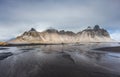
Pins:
x: 95, y: 34
x: 3, y: 43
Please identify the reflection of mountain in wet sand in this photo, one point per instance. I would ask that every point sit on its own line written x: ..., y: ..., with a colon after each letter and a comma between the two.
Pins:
x: 59, y: 61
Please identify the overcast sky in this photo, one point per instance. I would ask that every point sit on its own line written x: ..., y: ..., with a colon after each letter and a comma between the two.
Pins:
x: 17, y: 16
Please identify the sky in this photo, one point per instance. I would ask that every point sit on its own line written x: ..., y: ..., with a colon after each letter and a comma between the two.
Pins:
x: 17, y: 16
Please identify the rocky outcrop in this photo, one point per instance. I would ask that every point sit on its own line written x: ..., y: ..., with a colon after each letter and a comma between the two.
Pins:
x: 95, y: 34
x: 3, y: 43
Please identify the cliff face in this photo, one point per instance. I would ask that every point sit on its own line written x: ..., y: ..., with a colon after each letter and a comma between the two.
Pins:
x: 3, y: 44
x: 95, y: 34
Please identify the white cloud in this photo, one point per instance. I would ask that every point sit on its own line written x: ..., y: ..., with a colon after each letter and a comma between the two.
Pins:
x: 18, y: 16
x: 116, y: 36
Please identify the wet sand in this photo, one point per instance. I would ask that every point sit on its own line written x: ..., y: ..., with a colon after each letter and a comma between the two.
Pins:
x: 5, y: 55
x: 110, y: 49
x: 58, y: 61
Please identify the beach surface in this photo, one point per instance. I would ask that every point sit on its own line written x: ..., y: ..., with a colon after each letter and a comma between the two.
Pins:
x: 72, y: 60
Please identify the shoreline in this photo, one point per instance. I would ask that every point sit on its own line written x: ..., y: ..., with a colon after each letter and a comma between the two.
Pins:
x: 30, y: 44
x: 11, y: 45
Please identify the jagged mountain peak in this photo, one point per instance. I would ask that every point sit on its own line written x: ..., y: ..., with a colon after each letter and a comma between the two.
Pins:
x: 96, y: 27
x: 66, y: 32
x: 32, y: 29
x: 90, y: 34
x: 51, y: 30
x: 32, y: 32
x: 95, y: 31
x: 89, y: 27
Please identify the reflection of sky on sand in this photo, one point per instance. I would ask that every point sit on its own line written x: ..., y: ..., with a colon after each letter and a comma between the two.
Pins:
x: 32, y: 61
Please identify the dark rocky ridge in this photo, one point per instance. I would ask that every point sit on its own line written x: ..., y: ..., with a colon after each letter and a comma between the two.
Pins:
x: 96, y: 31
x: 95, y: 34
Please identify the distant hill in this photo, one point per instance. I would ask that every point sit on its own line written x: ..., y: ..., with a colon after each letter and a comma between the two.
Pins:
x: 95, y: 34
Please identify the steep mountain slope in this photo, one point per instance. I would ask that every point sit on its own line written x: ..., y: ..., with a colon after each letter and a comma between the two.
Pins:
x: 95, y: 34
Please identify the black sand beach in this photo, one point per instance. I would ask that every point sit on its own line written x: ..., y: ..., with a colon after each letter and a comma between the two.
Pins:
x: 58, y: 61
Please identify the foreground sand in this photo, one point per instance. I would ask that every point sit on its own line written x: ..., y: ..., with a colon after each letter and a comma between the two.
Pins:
x: 57, y: 61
